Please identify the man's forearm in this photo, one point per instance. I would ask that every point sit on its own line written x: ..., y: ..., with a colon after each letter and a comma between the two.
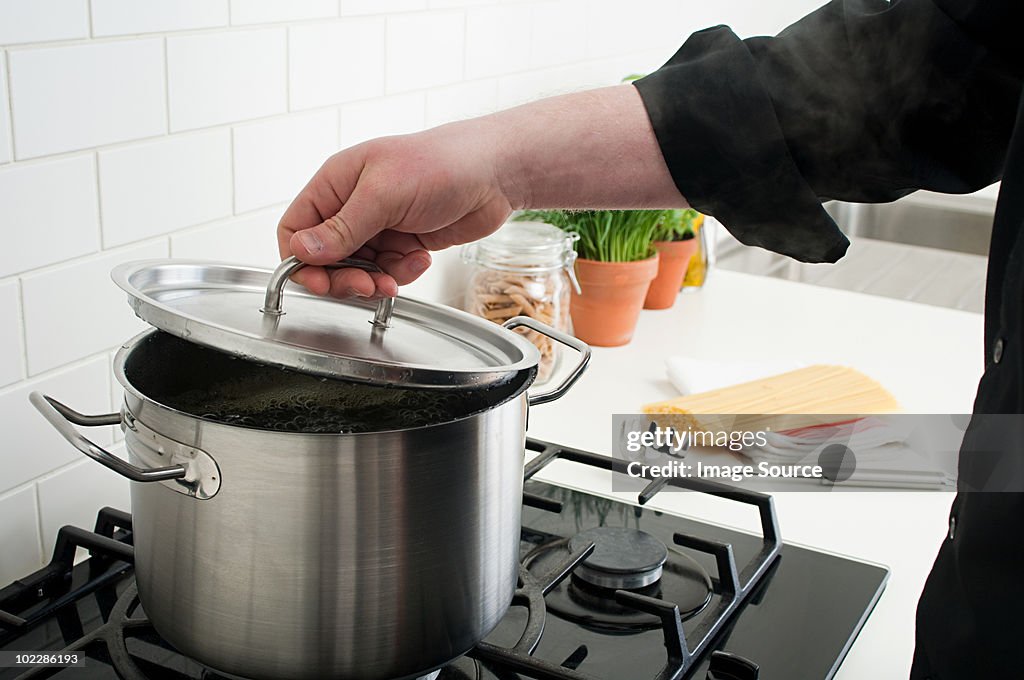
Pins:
x: 592, y: 149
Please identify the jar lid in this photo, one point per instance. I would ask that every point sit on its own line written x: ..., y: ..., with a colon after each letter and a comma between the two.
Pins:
x: 249, y: 312
x: 524, y: 246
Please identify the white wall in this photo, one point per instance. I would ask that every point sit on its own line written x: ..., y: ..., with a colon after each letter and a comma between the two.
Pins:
x: 137, y: 129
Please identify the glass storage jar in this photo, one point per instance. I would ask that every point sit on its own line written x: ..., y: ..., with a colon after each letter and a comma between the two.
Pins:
x: 524, y: 268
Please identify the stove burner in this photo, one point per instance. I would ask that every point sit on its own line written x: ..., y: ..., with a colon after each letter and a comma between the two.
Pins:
x: 623, y: 558
x: 683, y: 582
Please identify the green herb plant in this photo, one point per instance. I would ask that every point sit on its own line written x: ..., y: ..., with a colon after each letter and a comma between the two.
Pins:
x: 605, y: 235
x: 676, y: 225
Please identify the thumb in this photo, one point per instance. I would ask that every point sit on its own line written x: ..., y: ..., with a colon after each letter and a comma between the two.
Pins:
x: 342, y: 234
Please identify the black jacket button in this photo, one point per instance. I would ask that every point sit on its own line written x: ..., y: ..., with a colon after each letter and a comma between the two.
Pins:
x: 997, y: 351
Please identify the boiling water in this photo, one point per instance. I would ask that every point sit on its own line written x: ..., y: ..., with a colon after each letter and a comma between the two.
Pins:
x: 297, y: 403
x: 220, y: 387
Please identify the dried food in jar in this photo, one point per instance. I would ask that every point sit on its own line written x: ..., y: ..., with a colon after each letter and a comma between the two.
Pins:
x: 498, y: 296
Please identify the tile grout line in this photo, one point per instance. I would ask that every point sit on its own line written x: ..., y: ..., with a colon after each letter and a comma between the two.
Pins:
x: 92, y: 26
x: 465, y: 52
x: 99, y: 198
x: 145, y: 35
x: 167, y: 88
x: 384, y: 75
x: 9, y: 130
x: 234, y: 186
x: 23, y: 333
x: 228, y: 125
x: 149, y: 240
x: 82, y: 259
x: 39, y: 518
x: 288, y: 69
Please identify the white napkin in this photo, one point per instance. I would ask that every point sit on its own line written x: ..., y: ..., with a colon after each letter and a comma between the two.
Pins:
x: 883, y: 448
x: 691, y: 376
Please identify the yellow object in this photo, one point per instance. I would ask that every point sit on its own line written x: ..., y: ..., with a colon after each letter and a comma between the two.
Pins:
x: 801, y: 398
x: 698, y: 268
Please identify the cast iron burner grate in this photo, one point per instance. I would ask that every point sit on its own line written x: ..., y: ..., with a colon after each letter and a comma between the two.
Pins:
x: 46, y: 593
x: 736, y: 584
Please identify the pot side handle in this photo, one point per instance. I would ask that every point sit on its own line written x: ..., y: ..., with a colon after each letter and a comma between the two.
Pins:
x: 64, y: 419
x: 558, y: 336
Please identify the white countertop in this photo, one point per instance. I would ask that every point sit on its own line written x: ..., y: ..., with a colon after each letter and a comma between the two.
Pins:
x: 930, y: 358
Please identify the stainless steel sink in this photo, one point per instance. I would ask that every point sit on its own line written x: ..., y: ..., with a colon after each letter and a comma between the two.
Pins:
x: 929, y: 249
x: 916, y: 224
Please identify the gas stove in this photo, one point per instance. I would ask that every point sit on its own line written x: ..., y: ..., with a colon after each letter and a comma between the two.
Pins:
x: 608, y: 590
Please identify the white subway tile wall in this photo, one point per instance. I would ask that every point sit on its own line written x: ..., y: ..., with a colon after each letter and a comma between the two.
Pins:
x: 32, y: 447
x: 460, y: 101
x: 274, y: 158
x: 394, y: 115
x: 267, y: 11
x: 182, y: 128
x: 49, y: 212
x: 123, y: 17
x: 74, y: 310
x: 424, y: 50
x: 497, y: 40
x: 22, y: 551
x: 331, y: 62
x: 215, y: 78
x: 156, y: 187
x: 380, y: 6
x: 246, y: 239
x: 80, y: 96
x: 78, y: 491
x: 549, y: 43
x: 11, y: 351
x: 39, y: 20
x: 12, y: 365
x: 5, y: 114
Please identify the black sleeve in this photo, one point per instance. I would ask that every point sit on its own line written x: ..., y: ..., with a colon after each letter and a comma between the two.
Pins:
x: 862, y: 100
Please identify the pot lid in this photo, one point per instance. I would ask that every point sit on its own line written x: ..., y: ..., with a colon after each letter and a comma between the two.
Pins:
x: 251, y: 313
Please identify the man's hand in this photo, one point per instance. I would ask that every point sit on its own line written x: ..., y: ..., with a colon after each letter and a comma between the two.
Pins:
x: 392, y: 200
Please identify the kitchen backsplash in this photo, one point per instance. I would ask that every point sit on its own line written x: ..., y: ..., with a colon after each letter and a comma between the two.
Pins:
x: 182, y: 128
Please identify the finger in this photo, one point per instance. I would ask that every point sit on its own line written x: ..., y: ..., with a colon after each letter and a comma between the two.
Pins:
x: 396, y: 272
x: 404, y: 268
x: 322, y: 197
x: 351, y: 283
x: 316, y: 280
x: 385, y: 285
x: 394, y: 241
x: 340, y: 235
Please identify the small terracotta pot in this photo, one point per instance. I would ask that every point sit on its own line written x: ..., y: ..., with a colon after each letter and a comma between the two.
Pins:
x: 673, y: 259
x: 606, y: 312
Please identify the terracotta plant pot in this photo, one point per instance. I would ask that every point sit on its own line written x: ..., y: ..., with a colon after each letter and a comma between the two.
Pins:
x: 606, y: 312
x: 673, y: 258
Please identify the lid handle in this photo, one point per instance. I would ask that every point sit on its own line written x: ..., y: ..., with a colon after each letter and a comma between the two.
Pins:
x: 275, y: 288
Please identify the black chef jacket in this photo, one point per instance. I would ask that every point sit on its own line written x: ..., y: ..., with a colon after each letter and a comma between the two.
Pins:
x: 867, y: 101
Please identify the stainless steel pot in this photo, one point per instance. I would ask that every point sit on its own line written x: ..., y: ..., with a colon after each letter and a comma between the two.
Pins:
x: 366, y: 556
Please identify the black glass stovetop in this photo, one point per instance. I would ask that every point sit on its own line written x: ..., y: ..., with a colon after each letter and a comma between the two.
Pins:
x: 796, y: 624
